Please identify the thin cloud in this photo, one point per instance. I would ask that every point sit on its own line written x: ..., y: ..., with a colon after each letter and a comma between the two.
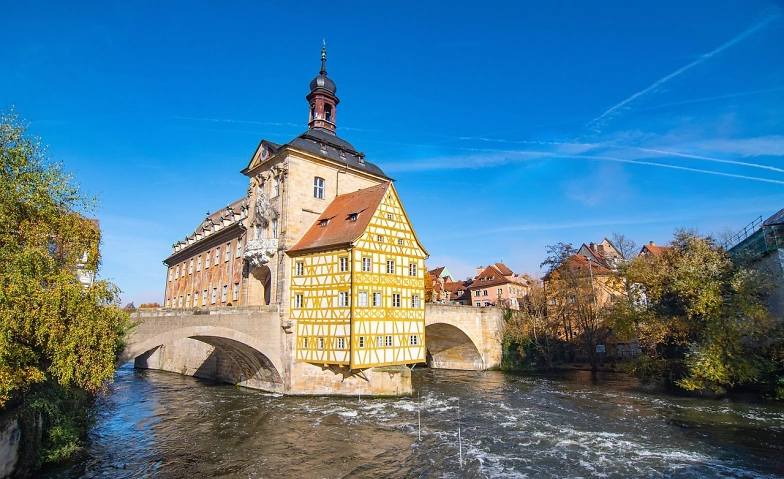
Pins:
x: 710, y: 98
x: 698, y: 61
x: 684, y: 168
x: 715, y: 160
x: 496, y: 158
x: 242, y: 122
x: 772, y: 145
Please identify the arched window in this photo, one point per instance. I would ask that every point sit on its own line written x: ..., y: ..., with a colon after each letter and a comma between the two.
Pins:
x: 328, y: 112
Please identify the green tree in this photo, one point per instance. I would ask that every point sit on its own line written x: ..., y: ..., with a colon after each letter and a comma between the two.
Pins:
x: 694, y: 306
x: 53, y: 329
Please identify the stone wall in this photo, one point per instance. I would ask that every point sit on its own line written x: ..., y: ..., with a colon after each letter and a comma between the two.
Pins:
x: 774, y: 262
x: 10, y: 434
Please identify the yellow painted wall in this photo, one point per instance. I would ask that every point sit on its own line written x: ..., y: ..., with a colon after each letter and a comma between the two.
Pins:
x: 366, y: 330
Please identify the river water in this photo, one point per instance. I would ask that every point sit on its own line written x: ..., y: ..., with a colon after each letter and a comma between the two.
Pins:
x: 473, y: 424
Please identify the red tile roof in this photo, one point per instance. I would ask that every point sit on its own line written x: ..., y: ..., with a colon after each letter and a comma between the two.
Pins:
x: 339, y: 228
x: 437, y: 272
x: 654, y: 250
x: 580, y: 264
x: 504, y: 269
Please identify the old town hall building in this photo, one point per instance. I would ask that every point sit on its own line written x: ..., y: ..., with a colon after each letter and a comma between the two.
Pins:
x: 323, y: 236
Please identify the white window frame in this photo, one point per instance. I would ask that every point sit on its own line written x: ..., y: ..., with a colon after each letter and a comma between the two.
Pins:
x: 361, y: 341
x: 275, y: 187
x: 341, y: 343
x: 390, y: 266
x: 367, y: 265
x: 204, y: 298
x: 299, y: 268
x: 415, y: 301
x: 298, y: 300
x: 343, y: 299
x: 379, y: 341
x: 377, y: 299
x: 188, y: 300
x: 198, y: 264
x: 195, y: 299
x: 225, y: 293
x: 318, y: 188
x: 274, y: 228
x: 412, y: 269
x: 207, y: 261
x: 363, y: 299
x: 413, y: 340
x: 235, y: 292
x: 217, y: 255
x: 320, y: 343
x: 388, y: 341
x: 238, y: 252
x: 343, y: 264
x: 395, y: 300
x: 227, y: 254
x: 214, y: 298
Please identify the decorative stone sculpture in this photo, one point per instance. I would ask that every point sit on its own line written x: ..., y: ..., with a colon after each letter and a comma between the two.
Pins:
x: 258, y: 252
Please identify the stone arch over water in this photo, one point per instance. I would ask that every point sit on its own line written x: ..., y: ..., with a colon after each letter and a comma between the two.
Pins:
x: 449, y: 347
x: 229, y: 356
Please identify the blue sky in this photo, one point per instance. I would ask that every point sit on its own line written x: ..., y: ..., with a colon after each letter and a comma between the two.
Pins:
x: 508, y: 126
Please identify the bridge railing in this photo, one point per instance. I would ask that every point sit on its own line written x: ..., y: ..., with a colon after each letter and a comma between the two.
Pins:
x: 222, y: 310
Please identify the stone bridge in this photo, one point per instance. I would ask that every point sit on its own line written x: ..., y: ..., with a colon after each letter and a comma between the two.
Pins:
x: 254, y: 347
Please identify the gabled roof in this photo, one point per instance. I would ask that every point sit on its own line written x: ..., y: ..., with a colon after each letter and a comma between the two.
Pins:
x: 437, y: 271
x: 653, y: 249
x: 491, y: 276
x: 503, y: 269
x: 320, y: 142
x: 776, y: 219
x: 338, y: 227
x: 582, y: 266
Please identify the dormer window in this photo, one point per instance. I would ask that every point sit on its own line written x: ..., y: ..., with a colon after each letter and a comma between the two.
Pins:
x: 353, y: 216
x: 323, y: 223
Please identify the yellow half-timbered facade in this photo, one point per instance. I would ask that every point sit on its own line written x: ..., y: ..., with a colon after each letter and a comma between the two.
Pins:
x: 357, y: 284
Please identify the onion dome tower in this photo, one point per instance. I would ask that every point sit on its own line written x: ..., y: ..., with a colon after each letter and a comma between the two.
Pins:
x: 322, y: 100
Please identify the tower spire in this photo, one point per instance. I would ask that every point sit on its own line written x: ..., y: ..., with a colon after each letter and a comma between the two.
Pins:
x: 324, y: 58
x: 321, y: 99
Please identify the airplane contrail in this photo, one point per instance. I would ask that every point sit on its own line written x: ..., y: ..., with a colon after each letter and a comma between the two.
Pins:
x: 691, y: 65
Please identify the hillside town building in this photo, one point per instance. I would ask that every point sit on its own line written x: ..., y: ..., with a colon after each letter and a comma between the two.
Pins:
x: 322, y: 235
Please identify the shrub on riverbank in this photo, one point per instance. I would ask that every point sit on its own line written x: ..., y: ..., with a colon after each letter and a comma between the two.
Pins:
x: 59, y: 338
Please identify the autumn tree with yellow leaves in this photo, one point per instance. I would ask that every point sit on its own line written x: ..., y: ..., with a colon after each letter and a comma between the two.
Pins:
x: 59, y: 339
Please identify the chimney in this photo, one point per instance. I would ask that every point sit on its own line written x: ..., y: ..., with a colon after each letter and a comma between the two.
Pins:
x: 652, y: 244
x: 479, y: 270
x: 593, y: 246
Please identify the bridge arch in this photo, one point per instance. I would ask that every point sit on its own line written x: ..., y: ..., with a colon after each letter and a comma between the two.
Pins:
x: 251, y: 364
x: 449, y: 347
